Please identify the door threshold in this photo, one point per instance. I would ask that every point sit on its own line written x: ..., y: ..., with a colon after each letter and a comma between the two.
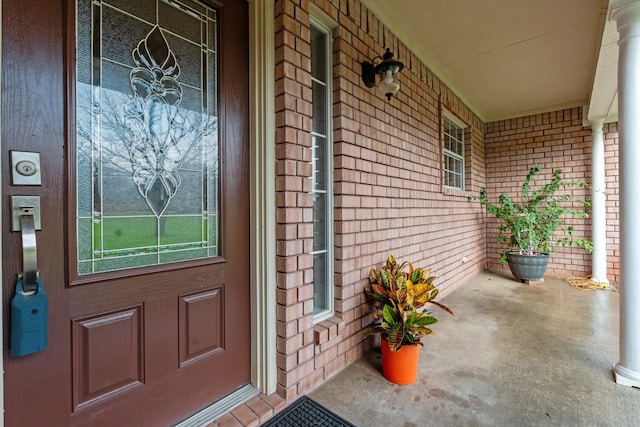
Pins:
x: 219, y: 408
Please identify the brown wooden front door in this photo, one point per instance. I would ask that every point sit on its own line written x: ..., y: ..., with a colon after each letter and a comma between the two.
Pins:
x: 139, y: 111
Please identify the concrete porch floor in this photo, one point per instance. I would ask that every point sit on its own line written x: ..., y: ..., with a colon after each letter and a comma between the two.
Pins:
x: 514, y: 355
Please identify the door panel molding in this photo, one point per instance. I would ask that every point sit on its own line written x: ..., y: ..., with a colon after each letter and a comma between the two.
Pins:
x: 201, y: 325
x: 102, y: 370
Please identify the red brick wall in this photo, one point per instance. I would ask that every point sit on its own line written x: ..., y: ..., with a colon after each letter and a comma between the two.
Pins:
x: 554, y: 140
x: 388, y: 187
x: 612, y: 180
x: 388, y: 191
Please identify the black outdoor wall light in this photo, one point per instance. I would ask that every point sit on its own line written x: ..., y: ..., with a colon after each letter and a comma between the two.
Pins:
x: 387, y: 69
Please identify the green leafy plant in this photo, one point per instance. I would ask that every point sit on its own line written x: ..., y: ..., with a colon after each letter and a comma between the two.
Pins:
x: 536, y: 223
x: 400, y: 295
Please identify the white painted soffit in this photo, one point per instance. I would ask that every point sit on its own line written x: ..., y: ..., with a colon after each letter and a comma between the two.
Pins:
x: 603, y: 103
x: 504, y: 58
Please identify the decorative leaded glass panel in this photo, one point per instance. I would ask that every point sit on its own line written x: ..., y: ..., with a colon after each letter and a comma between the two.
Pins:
x: 147, y: 133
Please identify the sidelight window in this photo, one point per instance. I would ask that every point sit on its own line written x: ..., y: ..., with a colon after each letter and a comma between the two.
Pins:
x: 322, y: 165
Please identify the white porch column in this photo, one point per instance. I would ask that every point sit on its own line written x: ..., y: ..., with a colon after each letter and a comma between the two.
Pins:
x: 598, y: 204
x: 627, y: 17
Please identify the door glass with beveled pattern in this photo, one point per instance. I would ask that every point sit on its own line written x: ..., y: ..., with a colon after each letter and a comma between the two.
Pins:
x: 146, y: 133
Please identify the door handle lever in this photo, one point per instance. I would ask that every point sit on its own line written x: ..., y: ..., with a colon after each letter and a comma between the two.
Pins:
x: 29, y: 254
x: 25, y: 215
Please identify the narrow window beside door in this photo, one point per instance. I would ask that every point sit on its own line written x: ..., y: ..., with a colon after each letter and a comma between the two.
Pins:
x: 322, y: 162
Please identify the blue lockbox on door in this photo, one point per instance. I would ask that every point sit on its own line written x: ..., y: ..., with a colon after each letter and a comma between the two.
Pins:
x: 28, y: 321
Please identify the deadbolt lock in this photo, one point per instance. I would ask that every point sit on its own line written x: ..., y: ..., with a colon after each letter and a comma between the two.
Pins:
x: 25, y: 168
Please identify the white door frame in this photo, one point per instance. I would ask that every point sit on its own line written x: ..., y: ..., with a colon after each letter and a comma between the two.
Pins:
x: 263, y: 222
x: 1, y: 234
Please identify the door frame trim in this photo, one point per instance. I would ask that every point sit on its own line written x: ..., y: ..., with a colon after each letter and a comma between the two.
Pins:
x: 221, y: 407
x: 262, y: 203
x: 1, y: 234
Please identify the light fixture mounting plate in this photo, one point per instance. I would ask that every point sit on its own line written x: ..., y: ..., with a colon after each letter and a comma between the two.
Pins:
x: 368, y: 75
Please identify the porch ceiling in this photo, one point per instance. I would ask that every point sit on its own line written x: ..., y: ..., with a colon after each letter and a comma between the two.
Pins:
x: 508, y: 58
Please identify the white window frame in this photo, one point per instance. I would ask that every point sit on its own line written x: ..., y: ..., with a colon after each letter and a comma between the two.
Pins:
x: 327, y: 309
x: 447, y: 115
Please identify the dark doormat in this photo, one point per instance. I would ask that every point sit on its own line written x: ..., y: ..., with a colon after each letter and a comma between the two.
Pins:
x: 306, y: 412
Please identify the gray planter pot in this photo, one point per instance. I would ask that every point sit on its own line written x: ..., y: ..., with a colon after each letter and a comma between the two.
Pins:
x: 527, y: 267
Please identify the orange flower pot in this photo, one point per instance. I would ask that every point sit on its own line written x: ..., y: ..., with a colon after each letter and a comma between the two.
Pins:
x: 400, y: 367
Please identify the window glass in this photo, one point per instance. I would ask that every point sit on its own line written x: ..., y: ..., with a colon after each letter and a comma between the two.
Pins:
x: 322, y: 166
x: 146, y: 133
x: 453, y: 135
